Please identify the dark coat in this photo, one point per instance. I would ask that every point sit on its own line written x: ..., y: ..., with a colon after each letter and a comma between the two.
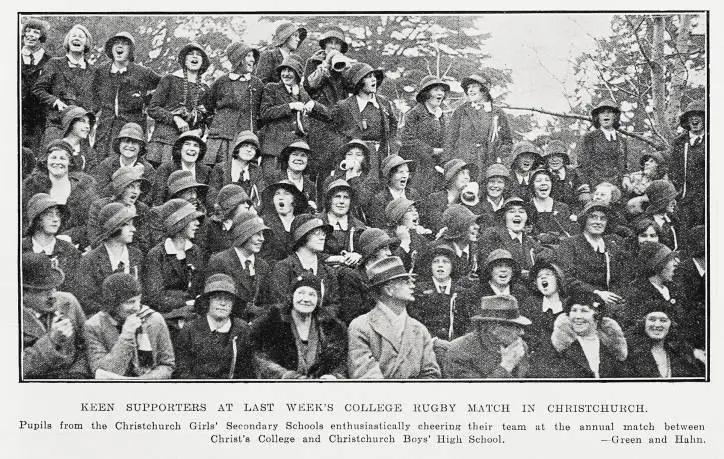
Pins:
x: 641, y: 363
x: 71, y: 85
x: 280, y: 122
x: 538, y: 333
x: 233, y: 106
x: 255, y: 291
x: 497, y: 237
x: 33, y: 110
x: 266, y: 68
x: 82, y: 192
x: 142, y: 238
x: 199, y: 356
x: 309, y: 187
x: 169, y: 282
x: 347, y: 121
x: 470, y: 295
x: 276, y: 347
x: 420, y: 134
x: 94, y: 267
x: 693, y: 289
x: 213, y: 239
x: 641, y: 296
x: 585, y: 269
x: 221, y: 175
x: 432, y: 208
x: 433, y: 310
x: 278, y: 242
x: 285, y: 271
x: 555, y: 223
x: 363, y: 190
x: 103, y: 174
x: 476, y: 356
x: 68, y: 258
x: 160, y: 193
x: 374, y: 209
x: 693, y: 204
x: 602, y: 161
x: 478, y: 137
x: 339, y: 239
x: 168, y: 98
x: 565, y: 190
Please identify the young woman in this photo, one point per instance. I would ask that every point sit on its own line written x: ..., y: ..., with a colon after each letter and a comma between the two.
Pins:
x: 567, y: 182
x: 526, y: 159
x: 653, y: 167
x: 396, y: 177
x: 496, y: 182
x: 281, y: 203
x: 187, y: 154
x: 176, y: 106
x: 241, y: 169
x: 300, y: 338
x: 545, y: 303
x: 77, y: 123
x: 294, y: 164
x: 353, y: 166
x: 403, y: 222
x: 231, y: 201
x: 343, y: 243
x: 456, y: 176
x: 604, y: 151
x: 553, y: 219
x: 662, y: 210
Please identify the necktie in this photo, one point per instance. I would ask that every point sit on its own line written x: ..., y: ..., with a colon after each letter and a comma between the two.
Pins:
x: 339, y: 226
x: 249, y: 268
x: 32, y: 59
x: 46, y: 318
x: 121, y: 267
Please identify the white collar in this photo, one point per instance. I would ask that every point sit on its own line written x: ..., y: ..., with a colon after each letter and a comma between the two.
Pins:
x: 243, y: 259
x: 486, y: 106
x: 237, y: 171
x: 592, y: 350
x: 699, y: 267
x: 222, y: 329
x: 123, y: 257
x: 546, y: 206
x: 76, y: 63
x: 552, y: 303
x: 397, y: 194
x: 446, y: 286
x: 116, y: 69
x: 47, y: 249
x: 227, y: 224
x: 460, y: 252
x: 396, y: 320
x: 597, y: 246
x: 609, y: 133
x: 338, y: 223
x: 37, y: 55
x: 523, y: 178
x: 170, y: 248
x: 661, y: 219
x: 311, y: 264
x: 497, y: 291
x: 240, y: 76
x: 694, y: 138
x: 663, y: 290
x: 515, y: 237
x: 495, y: 206
x: 362, y: 103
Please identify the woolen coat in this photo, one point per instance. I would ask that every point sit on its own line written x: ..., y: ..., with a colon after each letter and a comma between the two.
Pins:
x: 66, y: 254
x: 103, y: 175
x: 420, y: 135
x: 641, y: 363
x: 33, y: 110
x: 375, y: 353
x: 169, y: 282
x: 347, y: 121
x: 437, y: 312
x: 276, y: 345
x: 199, y: 356
x: 476, y: 356
x: 692, y: 286
x: 693, y: 204
x: 233, y: 106
x: 585, y: 269
x: 269, y: 60
x: 285, y: 271
x: 160, y: 195
x: 600, y: 160
x: 168, y: 97
x: 374, y: 209
x: 497, y: 237
x: 221, y: 176
x: 141, y: 239
x: 565, y: 190
x: 478, y: 137
x: 641, y: 296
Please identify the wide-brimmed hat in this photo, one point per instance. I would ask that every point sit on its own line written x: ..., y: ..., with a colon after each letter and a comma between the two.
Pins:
x: 218, y: 282
x: 497, y: 170
x: 286, y: 151
x: 40, y: 273
x: 497, y: 256
x: 557, y: 148
x: 291, y: 63
x: 373, y: 239
x: 305, y: 223
x: 339, y: 184
x: 130, y: 131
x: 500, y: 308
x: 246, y: 137
x: 118, y: 288
x: 124, y: 176
x: 358, y: 70
x: 530, y: 210
x: 300, y: 200
x: 183, y: 180
x: 108, y: 47
x: 205, y: 62
x: 441, y: 247
x: 655, y: 155
x: 183, y: 137
x: 427, y: 82
x: 112, y: 217
x: 356, y: 143
x: 653, y: 255
x: 482, y: 81
x: 72, y: 114
x: 395, y: 210
x: 547, y: 264
x: 285, y: 30
x: 236, y: 52
x: 605, y: 103
x: 307, y: 279
x: 452, y: 167
x: 39, y: 203
x: 333, y: 32
x: 176, y: 214
x: 456, y: 219
x: 244, y: 226
x: 229, y: 198
x: 594, y: 205
x: 391, y: 162
x: 660, y: 193
x: 527, y: 147
x: 694, y: 107
x: 88, y: 42
x: 385, y: 270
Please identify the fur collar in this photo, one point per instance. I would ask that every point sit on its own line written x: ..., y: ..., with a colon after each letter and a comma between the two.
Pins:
x: 609, y: 332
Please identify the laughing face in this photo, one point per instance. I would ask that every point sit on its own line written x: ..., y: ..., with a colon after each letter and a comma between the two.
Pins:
x: 542, y: 186
x: 436, y: 94
x: 305, y: 299
x: 501, y: 273
x: 31, y: 38
x: 369, y: 83
x: 515, y: 218
x: 77, y: 41
x: 596, y: 223
x: 129, y: 148
x: 546, y: 282
x: 283, y: 201
x: 288, y: 76
x: 121, y: 50
x: 583, y: 319
x: 50, y: 221
x: 255, y: 242
x: 475, y: 92
x: 340, y: 202
x: 606, y: 118
x: 411, y: 217
x: 246, y: 151
x: 657, y: 325
x: 131, y: 193
x: 190, y: 150
x: 58, y: 163
x: 495, y: 187
x: 194, y: 60
x: 524, y: 162
x: 399, y: 177
x: 441, y: 268
x: 696, y: 124
x: 298, y: 160
x: 220, y: 305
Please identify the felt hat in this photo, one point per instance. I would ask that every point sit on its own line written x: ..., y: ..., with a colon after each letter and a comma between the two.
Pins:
x: 591, y: 206
x: 267, y: 196
x: 286, y: 151
x: 427, y: 83
x: 246, y: 137
x: 373, y: 239
x: 557, y: 148
x: 333, y: 32
x: 291, y: 63
x: 660, y: 193
x: 307, y: 279
x: 527, y: 147
x: 218, y: 282
x: 530, y: 211
x: 457, y: 219
x: 496, y: 256
x: 385, y: 270
x: 352, y: 144
x: 305, y: 223
x: 176, y: 214
x: 482, y: 81
x: 229, y: 198
x: 391, y: 162
x: 358, y: 70
x: 181, y: 180
x: 205, y: 62
x: 605, y: 103
x: 500, y: 308
x: 125, y: 36
x: 441, y: 247
x: 653, y: 255
x: 130, y: 131
x: 285, y: 30
x: 72, y: 114
x: 88, y: 42
x: 395, y: 210
x: 124, y: 176
x: 586, y: 298
x: 339, y: 184
x: 112, y: 217
x: 236, y: 52
x: 40, y: 273
x: 655, y: 155
x: 452, y: 167
x: 39, y: 203
x: 117, y: 288
x: 694, y: 107
x: 37, y: 24
x: 547, y: 264
x: 245, y: 225
x: 183, y: 137
x: 497, y: 170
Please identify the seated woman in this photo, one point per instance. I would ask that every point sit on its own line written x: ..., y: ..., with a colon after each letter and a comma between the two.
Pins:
x: 526, y: 159
x: 585, y: 343
x: 181, y: 185
x: 655, y: 350
x: 395, y: 176
x: 662, y: 210
x: 342, y: 244
x: 215, y: 345
x: 173, y: 269
x: 568, y: 184
x: 300, y: 338
x: 112, y: 253
x: 231, y: 201
x: 653, y: 167
x: 77, y: 123
x: 125, y: 339
x: 496, y: 182
x: 456, y: 176
x: 294, y: 165
x: 187, y: 154
x: 46, y: 219
x: 281, y: 202
x: 56, y: 175
x: 353, y: 166
x: 403, y: 222
x: 553, y: 219
x: 461, y: 230
x: 644, y: 229
x: 241, y: 169
x: 544, y: 304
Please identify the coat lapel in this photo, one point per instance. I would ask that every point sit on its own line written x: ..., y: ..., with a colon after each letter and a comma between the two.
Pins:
x: 356, y: 113
x: 32, y: 326
x: 410, y: 339
x: 381, y: 326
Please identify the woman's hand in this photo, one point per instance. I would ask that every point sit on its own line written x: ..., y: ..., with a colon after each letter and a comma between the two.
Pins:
x: 181, y: 124
x: 60, y: 105
x: 609, y: 298
x: 296, y: 106
x: 511, y: 355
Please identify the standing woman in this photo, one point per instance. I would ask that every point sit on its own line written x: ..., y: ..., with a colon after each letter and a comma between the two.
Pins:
x: 55, y: 175
x: 240, y: 169
x: 301, y: 338
x: 604, y: 152
x: 396, y: 177
x: 176, y: 106
x: 423, y: 133
x: 187, y: 154
x: 66, y: 80
x: 478, y: 132
x: 33, y: 57
x: 46, y: 219
x: 233, y: 102
x: 281, y: 203
x: 215, y: 345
